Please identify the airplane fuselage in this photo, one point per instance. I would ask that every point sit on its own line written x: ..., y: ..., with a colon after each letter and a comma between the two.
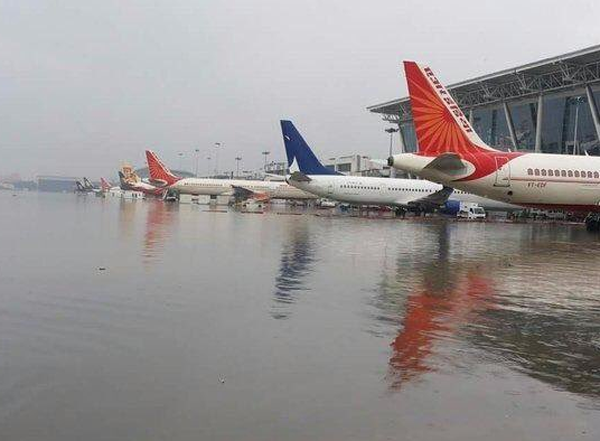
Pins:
x: 143, y: 188
x: 226, y: 187
x: 551, y: 181
x: 385, y: 191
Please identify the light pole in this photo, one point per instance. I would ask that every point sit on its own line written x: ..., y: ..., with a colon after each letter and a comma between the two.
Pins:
x: 391, y: 131
x: 208, y: 166
x: 576, y: 126
x: 217, y: 146
x: 237, y: 166
x: 197, y: 157
x: 265, y: 154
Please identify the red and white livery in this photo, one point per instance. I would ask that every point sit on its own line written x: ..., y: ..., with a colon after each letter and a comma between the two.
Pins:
x: 240, y: 189
x: 450, y: 152
x: 104, y: 185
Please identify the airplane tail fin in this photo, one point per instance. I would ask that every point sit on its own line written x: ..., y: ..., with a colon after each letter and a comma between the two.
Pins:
x: 87, y: 184
x: 159, y: 172
x: 79, y: 186
x: 440, y: 125
x: 123, y: 182
x: 104, y: 185
x: 298, y: 151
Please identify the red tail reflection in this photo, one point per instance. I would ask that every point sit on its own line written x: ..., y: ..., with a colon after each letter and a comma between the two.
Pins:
x: 158, y: 221
x: 429, y: 316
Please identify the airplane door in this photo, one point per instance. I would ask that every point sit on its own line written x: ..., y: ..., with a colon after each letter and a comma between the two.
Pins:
x: 330, y: 189
x: 502, y: 172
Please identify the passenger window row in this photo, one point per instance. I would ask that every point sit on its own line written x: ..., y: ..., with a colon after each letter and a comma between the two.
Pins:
x: 364, y: 187
x: 420, y: 190
x: 563, y: 173
x: 200, y: 184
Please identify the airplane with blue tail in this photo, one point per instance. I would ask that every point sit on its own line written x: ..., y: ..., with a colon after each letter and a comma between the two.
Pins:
x: 309, y: 174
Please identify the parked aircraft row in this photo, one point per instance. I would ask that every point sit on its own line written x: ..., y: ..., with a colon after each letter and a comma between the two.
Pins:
x: 455, y: 164
x: 86, y: 186
x: 309, y: 179
x: 451, y: 153
x: 161, y: 176
x: 308, y: 174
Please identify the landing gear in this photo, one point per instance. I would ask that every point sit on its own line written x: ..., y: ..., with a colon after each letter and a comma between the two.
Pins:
x: 400, y: 212
x: 171, y: 195
x: 592, y: 222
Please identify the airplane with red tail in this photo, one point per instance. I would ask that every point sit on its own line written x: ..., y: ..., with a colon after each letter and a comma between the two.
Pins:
x: 240, y: 189
x: 104, y: 185
x: 451, y: 153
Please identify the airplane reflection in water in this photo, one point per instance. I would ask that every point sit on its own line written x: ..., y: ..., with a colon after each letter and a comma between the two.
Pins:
x: 159, y: 219
x: 127, y: 217
x: 442, y: 296
x: 431, y: 315
x: 297, y: 259
x: 503, y: 308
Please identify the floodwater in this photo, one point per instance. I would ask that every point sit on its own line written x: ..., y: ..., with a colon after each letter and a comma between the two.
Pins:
x: 232, y: 326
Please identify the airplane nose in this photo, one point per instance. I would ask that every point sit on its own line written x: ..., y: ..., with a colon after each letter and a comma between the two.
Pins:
x: 390, y: 161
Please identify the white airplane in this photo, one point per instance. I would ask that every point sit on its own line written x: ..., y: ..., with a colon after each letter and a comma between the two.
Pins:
x: 85, y: 187
x: 310, y: 175
x: 451, y: 153
x: 241, y: 189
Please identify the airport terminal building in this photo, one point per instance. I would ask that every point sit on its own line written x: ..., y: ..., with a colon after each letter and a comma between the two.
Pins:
x: 547, y: 106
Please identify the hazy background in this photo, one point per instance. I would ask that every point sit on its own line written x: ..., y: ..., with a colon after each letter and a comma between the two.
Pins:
x: 84, y: 85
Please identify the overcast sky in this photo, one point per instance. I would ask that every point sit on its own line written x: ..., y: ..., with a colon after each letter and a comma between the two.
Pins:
x: 87, y: 84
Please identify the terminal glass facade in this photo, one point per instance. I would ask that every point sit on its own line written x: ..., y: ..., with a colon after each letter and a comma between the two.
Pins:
x: 490, y: 124
x: 524, y: 117
x: 567, y: 125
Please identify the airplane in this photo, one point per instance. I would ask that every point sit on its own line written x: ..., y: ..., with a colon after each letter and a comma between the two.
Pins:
x: 79, y: 188
x: 86, y: 186
x: 238, y: 188
x: 411, y: 194
x: 130, y: 181
x: 105, y: 185
x: 451, y: 153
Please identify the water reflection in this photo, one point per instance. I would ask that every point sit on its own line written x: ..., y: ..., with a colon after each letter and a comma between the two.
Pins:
x: 560, y: 350
x: 547, y: 324
x: 430, y: 316
x: 436, y: 297
x: 127, y: 217
x: 159, y: 220
x: 297, y: 258
x: 533, y: 308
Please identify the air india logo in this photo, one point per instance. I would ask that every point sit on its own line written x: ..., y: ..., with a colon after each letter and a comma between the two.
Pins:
x: 445, y: 96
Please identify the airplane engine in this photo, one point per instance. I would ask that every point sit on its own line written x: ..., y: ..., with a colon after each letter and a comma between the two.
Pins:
x: 451, y: 207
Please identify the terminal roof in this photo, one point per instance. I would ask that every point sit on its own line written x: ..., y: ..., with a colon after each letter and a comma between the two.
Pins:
x: 564, y: 72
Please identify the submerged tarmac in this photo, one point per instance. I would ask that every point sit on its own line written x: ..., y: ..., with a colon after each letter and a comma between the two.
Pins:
x: 127, y: 320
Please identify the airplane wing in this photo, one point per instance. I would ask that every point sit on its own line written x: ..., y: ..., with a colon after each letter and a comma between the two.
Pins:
x: 433, y: 200
x: 447, y: 165
x: 274, y: 177
x: 299, y: 177
x: 242, y: 194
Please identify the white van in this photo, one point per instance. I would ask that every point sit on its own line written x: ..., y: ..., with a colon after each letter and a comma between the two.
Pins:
x: 471, y: 211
